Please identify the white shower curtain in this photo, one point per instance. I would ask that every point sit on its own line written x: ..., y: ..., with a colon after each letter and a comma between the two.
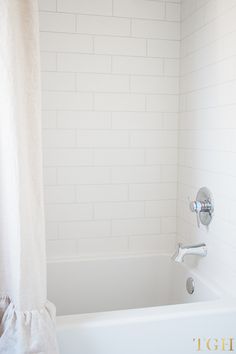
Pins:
x: 26, y: 317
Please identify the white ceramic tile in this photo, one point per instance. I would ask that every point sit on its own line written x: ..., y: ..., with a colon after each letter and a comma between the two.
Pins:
x: 83, y: 175
x: 170, y: 120
x: 136, y: 174
x: 67, y: 100
x: 158, y: 243
x: 169, y: 173
x: 57, y: 249
x: 56, y: 22
x: 119, y: 46
x: 163, y: 103
x: 168, y: 225
x: 171, y: 67
x: 47, y: 5
x: 173, y: 11
x: 188, y: 7
x: 66, y: 42
x: 155, y: 85
x: 138, y: 66
x: 137, y: 120
x: 103, y: 245
x: 118, y: 210
x: 84, y: 63
x: 49, y: 176
x: 102, y: 138
x: 58, y: 81
x: 124, y: 227
x: 98, y: 193
x: 163, y: 48
x: 103, y: 25
x: 162, y: 156
x: 51, y: 230
x: 84, y: 229
x: 48, y: 61
x: 57, y: 138
x: 68, y: 212
x: 59, y: 194
x: 94, y: 7
x: 139, y: 9
x: 119, y: 102
x: 49, y: 119
x: 120, y: 157
x: 83, y: 120
x: 155, y: 29
x: 160, y: 208
x: 67, y: 157
x: 153, y: 139
x: 152, y: 191
x: 103, y: 82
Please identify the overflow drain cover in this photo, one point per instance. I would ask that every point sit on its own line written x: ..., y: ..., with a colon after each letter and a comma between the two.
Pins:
x: 190, y: 285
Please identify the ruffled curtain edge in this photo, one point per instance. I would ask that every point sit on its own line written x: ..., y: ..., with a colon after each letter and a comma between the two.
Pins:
x: 27, y: 332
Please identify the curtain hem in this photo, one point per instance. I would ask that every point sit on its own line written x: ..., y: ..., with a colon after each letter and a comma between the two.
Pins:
x: 27, y: 332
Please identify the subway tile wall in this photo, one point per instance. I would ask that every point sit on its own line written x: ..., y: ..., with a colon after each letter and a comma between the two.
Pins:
x: 110, y: 91
x: 207, y: 135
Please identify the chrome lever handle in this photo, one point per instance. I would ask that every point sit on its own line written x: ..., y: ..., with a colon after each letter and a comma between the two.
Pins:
x: 203, y: 206
x: 196, y: 207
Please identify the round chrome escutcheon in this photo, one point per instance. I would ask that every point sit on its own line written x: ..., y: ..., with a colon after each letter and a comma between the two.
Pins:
x: 190, y: 285
x: 205, y: 196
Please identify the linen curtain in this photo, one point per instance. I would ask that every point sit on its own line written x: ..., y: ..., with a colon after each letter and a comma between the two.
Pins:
x: 26, y: 317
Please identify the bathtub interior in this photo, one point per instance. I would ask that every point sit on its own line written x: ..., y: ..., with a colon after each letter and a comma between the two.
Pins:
x: 119, y: 283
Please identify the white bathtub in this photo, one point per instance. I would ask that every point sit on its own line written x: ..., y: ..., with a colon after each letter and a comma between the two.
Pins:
x: 135, y: 305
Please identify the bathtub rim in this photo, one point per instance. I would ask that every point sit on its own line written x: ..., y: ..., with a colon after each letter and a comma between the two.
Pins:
x: 147, y: 314
x: 110, y: 256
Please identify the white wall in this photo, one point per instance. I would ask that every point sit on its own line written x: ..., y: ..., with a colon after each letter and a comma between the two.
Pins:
x: 110, y: 101
x: 207, y: 137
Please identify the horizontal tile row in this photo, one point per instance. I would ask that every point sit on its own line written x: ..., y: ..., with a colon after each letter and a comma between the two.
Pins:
x: 109, y: 45
x: 109, y: 138
x: 118, y: 227
x: 86, y: 120
x: 59, y: 81
x: 110, y: 157
x: 118, y: 210
x: 64, y: 100
x: 92, y: 63
x: 108, y: 25
x: 103, y: 193
x: 57, y: 249
x: 143, y: 9
x: 103, y: 175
